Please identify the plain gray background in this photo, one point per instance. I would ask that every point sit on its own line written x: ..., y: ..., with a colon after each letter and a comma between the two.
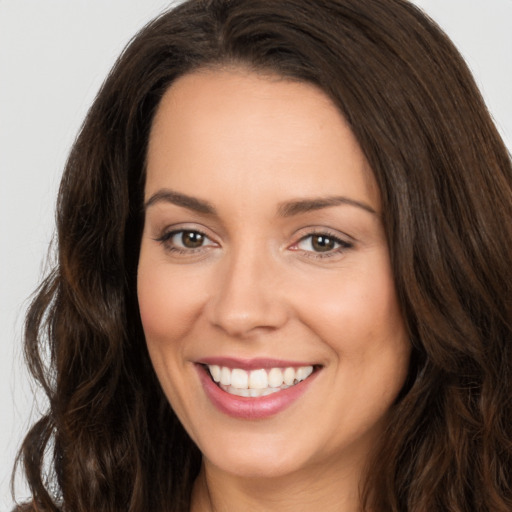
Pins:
x: 54, y: 55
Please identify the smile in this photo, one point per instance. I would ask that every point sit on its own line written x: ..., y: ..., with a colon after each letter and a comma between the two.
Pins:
x: 254, y: 389
x: 259, y: 382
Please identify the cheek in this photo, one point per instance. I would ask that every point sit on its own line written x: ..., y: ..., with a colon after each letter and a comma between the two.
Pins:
x: 167, y: 305
x: 356, y: 308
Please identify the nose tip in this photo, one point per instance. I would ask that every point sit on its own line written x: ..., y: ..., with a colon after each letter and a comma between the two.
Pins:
x: 247, y: 301
x: 242, y: 324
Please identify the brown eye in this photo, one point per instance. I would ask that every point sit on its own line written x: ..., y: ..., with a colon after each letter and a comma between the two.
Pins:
x: 192, y: 239
x: 322, y: 243
x: 185, y: 241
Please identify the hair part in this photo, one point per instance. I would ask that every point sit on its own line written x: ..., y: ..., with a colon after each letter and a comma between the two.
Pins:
x: 445, y: 179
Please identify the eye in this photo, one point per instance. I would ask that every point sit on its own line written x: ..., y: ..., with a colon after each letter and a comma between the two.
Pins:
x: 185, y: 240
x: 318, y: 243
x: 322, y: 245
x: 188, y: 239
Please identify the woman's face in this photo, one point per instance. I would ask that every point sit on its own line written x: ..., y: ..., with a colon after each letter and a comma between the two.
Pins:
x: 264, y: 282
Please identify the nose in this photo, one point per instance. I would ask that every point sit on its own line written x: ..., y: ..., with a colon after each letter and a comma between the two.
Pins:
x: 248, y: 299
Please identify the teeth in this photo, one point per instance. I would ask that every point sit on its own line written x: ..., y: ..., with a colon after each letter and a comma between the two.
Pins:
x: 289, y: 376
x: 239, y: 378
x: 215, y: 372
x: 252, y: 393
x: 225, y: 376
x: 258, y: 382
x: 275, y: 377
x: 258, y: 379
x: 304, y: 372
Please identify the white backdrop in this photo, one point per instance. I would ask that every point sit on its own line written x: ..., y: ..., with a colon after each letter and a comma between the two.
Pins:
x: 54, y: 56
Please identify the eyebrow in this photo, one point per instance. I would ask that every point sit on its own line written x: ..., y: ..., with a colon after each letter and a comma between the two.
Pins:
x: 286, y: 209
x: 291, y: 208
x: 179, y: 199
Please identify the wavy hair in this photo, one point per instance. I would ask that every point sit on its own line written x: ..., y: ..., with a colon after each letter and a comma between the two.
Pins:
x: 109, y: 441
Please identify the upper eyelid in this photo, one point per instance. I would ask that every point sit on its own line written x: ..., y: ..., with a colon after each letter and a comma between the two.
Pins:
x: 300, y: 234
x: 185, y: 226
x: 327, y: 235
x: 343, y: 244
x: 320, y: 230
x: 169, y: 233
x: 168, y: 245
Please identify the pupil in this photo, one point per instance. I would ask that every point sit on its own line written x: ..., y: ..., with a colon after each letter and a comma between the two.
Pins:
x: 322, y: 243
x: 192, y: 240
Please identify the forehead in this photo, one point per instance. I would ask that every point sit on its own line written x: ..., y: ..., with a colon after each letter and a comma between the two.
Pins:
x: 239, y: 126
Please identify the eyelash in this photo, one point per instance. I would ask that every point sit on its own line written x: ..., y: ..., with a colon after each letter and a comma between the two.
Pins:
x: 166, y: 238
x: 342, y: 245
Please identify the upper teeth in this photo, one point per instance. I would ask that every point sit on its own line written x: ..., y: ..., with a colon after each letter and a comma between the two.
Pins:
x: 259, y: 379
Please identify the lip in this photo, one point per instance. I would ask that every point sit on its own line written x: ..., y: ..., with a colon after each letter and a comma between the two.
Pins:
x: 251, y: 408
x: 252, y: 364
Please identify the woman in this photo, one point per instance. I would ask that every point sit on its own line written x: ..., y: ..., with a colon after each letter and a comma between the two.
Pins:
x: 284, y: 273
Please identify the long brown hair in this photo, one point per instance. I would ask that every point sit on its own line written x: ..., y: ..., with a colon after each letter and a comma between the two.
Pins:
x: 110, y: 441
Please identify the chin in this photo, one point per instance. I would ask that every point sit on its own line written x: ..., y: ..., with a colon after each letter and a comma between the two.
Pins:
x: 257, y: 459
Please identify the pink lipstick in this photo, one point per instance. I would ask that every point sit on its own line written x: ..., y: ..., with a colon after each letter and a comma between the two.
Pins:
x: 254, y: 389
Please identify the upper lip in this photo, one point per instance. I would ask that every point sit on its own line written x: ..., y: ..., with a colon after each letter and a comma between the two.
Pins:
x: 252, y: 364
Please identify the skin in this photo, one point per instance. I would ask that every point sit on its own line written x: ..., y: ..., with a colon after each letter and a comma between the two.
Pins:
x: 258, y: 286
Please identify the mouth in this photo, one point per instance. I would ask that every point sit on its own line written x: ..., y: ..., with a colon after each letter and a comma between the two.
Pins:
x: 258, y: 382
x: 255, y: 389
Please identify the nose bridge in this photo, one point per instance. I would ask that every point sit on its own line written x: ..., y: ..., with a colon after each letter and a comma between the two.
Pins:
x: 247, y: 297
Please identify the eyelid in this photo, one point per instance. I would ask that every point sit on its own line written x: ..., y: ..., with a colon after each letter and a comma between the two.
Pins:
x: 166, y: 235
x: 170, y: 234
x: 164, y: 230
x: 344, y: 242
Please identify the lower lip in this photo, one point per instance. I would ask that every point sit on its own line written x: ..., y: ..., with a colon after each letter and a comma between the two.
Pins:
x: 252, y: 408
